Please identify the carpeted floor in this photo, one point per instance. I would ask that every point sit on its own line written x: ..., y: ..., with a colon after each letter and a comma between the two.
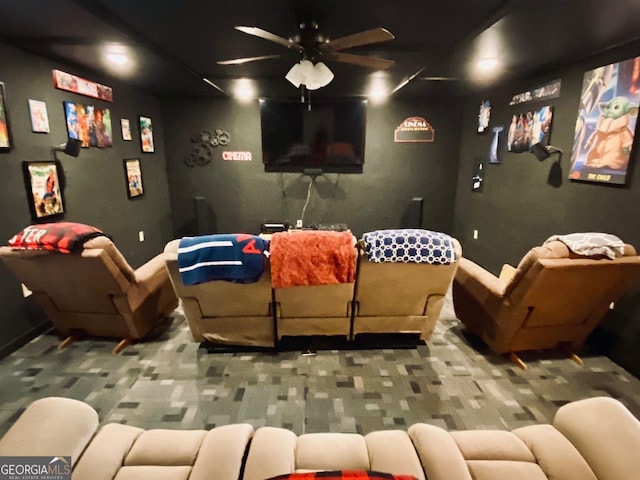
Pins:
x: 169, y: 382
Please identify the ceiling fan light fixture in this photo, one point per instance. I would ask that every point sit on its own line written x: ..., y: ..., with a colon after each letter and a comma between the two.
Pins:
x: 310, y: 75
x: 294, y: 76
x: 306, y: 69
x: 322, y: 74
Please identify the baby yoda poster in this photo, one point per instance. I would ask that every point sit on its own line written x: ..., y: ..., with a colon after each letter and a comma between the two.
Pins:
x: 606, y: 123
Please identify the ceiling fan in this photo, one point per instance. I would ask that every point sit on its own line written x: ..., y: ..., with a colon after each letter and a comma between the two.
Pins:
x: 315, y: 46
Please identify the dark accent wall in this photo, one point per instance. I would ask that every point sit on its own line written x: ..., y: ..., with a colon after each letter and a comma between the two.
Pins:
x: 520, y: 205
x: 95, y: 188
x: 240, y: 195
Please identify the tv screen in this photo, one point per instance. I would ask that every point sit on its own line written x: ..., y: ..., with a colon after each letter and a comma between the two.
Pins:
x: 330, y: 136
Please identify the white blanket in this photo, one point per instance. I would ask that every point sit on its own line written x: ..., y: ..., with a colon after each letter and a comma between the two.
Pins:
x: 591, y: 243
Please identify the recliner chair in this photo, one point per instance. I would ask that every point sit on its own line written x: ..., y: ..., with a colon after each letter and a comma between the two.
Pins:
x: 400, y: 297
x: 95, y: 292
x: 553, y: 297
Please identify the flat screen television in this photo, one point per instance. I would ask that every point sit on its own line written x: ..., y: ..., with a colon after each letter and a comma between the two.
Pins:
x: 330, y: 136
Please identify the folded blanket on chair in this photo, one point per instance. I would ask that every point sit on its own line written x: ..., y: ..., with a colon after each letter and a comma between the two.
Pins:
x: 409, y: 245
x: 591, y: 243
x: 312, y: 258
x: 62, y: 237
x: 235, y: 258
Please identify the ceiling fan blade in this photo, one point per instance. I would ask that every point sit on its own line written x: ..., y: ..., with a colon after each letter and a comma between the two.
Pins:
x: 374, y: 35
x: 362, y: 60
x: 258, y: 32
x: 239, y: 61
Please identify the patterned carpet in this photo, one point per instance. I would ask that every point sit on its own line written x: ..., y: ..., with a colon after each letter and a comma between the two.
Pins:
x: 169, y: 382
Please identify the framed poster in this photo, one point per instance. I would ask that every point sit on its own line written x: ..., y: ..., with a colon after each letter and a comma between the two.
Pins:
x: 90, y: 113
x: 43, y: 188
x: 484, y: 116
x: 529, y: 128
x: 75, y: 84
x: 83, y: 126
x: 495, y: 147
x: 71, y: 118
x: 606, y: 123
x: 5, y: 139
x: 126, y: 128
x: 146, y: 135
x: 39, y: 117
x: 133, y: 176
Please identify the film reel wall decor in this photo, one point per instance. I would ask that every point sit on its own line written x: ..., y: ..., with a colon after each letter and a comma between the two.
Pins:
x: 202, y: 145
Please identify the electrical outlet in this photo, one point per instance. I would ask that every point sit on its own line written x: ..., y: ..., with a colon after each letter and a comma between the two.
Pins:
x: 299, y: 223
x: 141, y: 236
x: 475, y: 234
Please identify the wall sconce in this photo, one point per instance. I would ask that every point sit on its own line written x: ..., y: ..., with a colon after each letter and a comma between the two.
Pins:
x: 71, y: 148
x: 542, y: 152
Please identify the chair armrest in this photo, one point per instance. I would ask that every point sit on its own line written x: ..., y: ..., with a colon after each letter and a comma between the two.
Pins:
x: 152, y: 275
x: 480, y: 283
x: 507, y: 273
x: 51, y: 426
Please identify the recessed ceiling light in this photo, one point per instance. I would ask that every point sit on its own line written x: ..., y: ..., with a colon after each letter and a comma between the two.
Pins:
x: 244, y: 90
x: 117, y: 58
x: 378, y: 91
x: 488, y: 63
x: 378, y: 94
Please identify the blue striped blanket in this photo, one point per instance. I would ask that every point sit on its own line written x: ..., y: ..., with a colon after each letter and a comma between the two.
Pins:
x: 235, y: 258
x: 410, y: 245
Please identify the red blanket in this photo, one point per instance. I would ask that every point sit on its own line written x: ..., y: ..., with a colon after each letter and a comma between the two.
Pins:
x: 63, y: 237
x: 312, y: 258
x: 342, y: 475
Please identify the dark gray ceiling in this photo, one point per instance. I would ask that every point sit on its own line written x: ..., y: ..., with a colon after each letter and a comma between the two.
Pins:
x: 178, y: 42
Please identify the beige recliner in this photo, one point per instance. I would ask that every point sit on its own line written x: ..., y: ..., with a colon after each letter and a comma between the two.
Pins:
x: 400, y: 297
x: 95, y: 292
x: 223, y: 312
x: 554, y: 297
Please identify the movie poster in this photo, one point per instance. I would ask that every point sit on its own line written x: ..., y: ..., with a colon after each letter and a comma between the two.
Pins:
x: 606, y: 123
x: 71, y: 117
x: 529, y: 128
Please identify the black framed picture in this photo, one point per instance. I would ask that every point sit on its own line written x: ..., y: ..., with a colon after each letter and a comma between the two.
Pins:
x: 133, y: 175
x: 42, y: 180
x: 146, y: 135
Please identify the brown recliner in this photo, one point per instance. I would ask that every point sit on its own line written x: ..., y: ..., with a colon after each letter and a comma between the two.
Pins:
x: 95, y: 292
x: 553, y: 297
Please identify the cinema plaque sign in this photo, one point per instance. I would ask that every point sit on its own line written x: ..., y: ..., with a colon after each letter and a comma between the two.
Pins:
x: 414, y: 130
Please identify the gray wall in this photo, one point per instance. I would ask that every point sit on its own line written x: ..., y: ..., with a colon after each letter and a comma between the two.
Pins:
x: 95, y: 190
x: 518, y: 209
x: 240, y: 195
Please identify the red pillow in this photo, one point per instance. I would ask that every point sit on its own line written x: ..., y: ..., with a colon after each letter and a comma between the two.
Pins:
x: 343, y: 475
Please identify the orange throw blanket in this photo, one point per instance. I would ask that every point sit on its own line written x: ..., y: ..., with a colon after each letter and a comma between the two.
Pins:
x: 312, y: 258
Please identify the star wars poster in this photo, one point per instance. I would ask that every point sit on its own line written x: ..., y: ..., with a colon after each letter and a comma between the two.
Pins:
x: 606, y: 123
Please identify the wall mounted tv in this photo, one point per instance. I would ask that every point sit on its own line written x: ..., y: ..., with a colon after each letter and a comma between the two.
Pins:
x: 330, y: 136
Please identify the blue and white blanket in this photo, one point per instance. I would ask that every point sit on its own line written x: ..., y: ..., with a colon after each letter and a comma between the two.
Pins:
x: 235, y: 258
x: 410, y: 246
